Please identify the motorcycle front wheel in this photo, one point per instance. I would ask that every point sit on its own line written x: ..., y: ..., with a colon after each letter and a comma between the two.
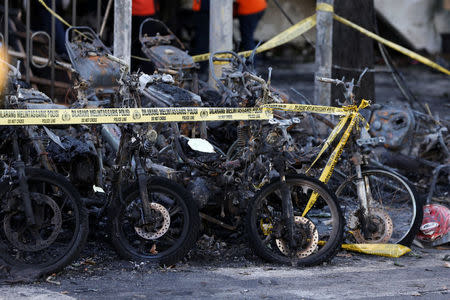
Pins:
x: 318, y: 235
x: 172, y: 232
x: 395, y: 211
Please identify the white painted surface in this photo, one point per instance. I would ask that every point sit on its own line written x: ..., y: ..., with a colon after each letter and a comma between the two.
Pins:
x: 122, y: 30
x: 415, y: 20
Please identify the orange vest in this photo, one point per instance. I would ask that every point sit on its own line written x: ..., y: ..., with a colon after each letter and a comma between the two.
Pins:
x: 196, y: 5
x: 248, y: 7
x: 143, y: 8
x: 244, y: 7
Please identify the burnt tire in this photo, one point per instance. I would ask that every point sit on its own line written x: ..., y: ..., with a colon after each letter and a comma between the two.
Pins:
x: 180, y: 236
x: 62, y: 246
x: 392, y: 195
x: 325, y: 223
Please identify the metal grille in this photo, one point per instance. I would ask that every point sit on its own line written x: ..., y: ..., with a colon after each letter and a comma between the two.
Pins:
x: 25, y: 52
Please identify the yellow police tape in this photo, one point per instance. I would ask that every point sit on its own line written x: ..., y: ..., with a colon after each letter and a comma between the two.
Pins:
x: 329, y: 8
x: 324, y: 7
x: 298, y: 29
x: 54, y: 13
x: 351, y: 111
x: 355, y: 118
x: 162, y: 114
x: 129, y: 115
x: 320, y: 109
x: 286, y: 36
x: 389, y: 250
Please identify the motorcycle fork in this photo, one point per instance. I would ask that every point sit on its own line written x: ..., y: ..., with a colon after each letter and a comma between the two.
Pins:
x: 143, y: 190
x: 364, y: 194
x: 19, y: 165
x: 287, y: 211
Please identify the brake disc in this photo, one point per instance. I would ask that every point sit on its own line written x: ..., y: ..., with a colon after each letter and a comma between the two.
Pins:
x: 385, y: 228
x: 308, y: 230
x: 159, y: 228
x: 40, y: 236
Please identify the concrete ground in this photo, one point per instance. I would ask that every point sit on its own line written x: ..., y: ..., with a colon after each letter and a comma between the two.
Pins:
x: 422, y: 275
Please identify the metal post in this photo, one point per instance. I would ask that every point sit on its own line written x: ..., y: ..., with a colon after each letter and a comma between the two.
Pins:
x: 27, y: 50
x: 324, y: 50
x: 105, y: 18
x: 99, y: 15
x: 52, y: 58
x: 220, y: 30
x: 74, y: 12
x: 5, y: 36
x: 122, y: 29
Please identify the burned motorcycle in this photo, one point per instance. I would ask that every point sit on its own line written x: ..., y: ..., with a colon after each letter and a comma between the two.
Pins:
x: 44, y: 222
x: 379, y: 204
x: 417, y: 144
x: 167, y: 54
x: 151, y: 218
x: 256, y: 174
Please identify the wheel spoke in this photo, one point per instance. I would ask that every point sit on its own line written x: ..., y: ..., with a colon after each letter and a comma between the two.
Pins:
x: 267, y: 239
x: 174, y: 210
x: 390, y: 195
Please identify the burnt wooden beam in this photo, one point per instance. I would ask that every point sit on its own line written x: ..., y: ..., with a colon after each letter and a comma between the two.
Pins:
x: 324, y: 44
x: 353, y: 51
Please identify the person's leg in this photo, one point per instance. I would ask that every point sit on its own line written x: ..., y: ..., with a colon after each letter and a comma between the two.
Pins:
x: 60, y: 40
x: 136, y: 46
x: 201, y: 40
x: 247, y: 27
x: 45, y: 24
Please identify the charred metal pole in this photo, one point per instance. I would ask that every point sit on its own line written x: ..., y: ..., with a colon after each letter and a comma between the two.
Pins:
x: 28, y: 33
x: 324, y: 51
x: 122, y: 30
x: 105, y: 18
x: 99, y: 15
x: 220, y: 31
x: 74, y: 12
x: 52, y: 57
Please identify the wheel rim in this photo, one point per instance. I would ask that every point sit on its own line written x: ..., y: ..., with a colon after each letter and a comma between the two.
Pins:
x: 391, y: 195
x: 382, y: 232
x: 306, y: 228
x: 321, y: 223
x: 169, y: 235
x: 58, y: 223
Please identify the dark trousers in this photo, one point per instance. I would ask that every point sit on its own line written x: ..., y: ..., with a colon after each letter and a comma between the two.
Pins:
x: 137, y: 64
x: 247, y: 27
x: 44, y: 23
x: 201, y: 40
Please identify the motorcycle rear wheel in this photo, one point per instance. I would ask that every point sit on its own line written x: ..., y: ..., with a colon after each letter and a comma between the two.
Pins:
x: 61, y: 226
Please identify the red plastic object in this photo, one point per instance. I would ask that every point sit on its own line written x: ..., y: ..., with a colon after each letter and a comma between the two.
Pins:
x: 435, y: 224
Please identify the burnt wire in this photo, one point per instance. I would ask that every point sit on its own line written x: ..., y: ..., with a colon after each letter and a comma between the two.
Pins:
x: 292, y: 22
x: 397, y: 76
